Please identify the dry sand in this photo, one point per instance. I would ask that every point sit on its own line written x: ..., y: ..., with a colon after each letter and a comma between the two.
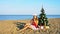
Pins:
x: 9, y: 27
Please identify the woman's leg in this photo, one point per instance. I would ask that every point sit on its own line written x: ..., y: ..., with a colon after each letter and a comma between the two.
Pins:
x: 25, y: 27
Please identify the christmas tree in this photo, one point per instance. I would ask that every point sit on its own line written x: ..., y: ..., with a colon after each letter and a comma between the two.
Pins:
x: 42, y: 18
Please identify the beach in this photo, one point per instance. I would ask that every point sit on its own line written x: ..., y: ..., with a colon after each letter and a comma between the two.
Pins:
x: 9, y: 27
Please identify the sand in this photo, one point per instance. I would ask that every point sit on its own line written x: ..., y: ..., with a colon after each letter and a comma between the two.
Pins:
x: 9, y: 27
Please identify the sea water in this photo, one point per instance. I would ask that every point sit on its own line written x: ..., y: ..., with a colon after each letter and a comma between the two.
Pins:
x: 23, y: 17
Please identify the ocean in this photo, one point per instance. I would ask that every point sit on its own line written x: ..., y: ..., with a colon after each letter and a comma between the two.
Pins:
x: 23, y: 17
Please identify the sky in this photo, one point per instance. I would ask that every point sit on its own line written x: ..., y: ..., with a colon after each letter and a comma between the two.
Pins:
x: 29, y: 7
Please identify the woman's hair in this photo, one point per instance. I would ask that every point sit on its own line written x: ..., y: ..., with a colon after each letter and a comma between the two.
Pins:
x: 35, y: 17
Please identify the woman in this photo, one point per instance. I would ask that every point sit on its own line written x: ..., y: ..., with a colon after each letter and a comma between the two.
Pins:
x: 33, y: 25
x: 34, y: 22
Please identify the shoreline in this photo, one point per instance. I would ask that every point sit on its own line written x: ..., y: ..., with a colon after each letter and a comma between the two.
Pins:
x: 28, y: 19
